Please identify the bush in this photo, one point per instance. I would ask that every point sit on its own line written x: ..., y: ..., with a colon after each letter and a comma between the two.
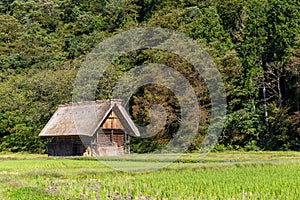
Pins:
x: 23, y: 138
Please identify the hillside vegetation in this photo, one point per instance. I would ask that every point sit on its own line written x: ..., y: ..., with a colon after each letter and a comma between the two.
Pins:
x: 255, y: 44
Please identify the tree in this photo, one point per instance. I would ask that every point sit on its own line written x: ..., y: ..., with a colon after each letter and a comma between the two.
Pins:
x: 255, y: 45
x: 5, y: 6
x: 10, y: 31
x: 268, y: 33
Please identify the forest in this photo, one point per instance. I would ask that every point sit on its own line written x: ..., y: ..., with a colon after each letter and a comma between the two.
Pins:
x: 254, y: 43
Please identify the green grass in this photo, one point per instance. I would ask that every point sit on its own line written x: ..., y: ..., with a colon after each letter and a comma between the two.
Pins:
x: 226, y: 175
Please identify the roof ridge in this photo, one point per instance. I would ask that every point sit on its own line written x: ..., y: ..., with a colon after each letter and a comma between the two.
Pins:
x: 111, y: 101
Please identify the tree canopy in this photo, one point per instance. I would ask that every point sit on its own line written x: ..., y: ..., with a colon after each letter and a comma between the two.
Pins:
x: 255, y: 44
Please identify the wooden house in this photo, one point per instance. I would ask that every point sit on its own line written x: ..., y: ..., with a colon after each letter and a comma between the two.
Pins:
x: 97, y: 128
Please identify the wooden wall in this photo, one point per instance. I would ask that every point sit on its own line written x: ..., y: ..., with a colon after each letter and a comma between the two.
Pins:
x: 66, y: 146
x: 108, y: 138
x: 112, y: 122
x: 113, y: 133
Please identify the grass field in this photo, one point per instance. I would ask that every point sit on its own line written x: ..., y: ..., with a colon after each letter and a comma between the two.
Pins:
x: 228, y: 175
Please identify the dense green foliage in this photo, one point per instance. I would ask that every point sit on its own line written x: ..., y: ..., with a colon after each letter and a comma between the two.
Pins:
x: 267, y: 175
x: 256, y: 45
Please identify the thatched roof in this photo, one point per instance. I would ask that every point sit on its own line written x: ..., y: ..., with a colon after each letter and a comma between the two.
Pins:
x: 86, y: 118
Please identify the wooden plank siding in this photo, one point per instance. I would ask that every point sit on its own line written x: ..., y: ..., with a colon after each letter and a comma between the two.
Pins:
x: 107, y: 138
x: 66, y: 146
x: 113, y: 133
x: 112, y: 122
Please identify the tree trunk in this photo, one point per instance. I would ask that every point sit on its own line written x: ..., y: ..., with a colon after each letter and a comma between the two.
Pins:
x: 265, y: 100
x: 279, y: 91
